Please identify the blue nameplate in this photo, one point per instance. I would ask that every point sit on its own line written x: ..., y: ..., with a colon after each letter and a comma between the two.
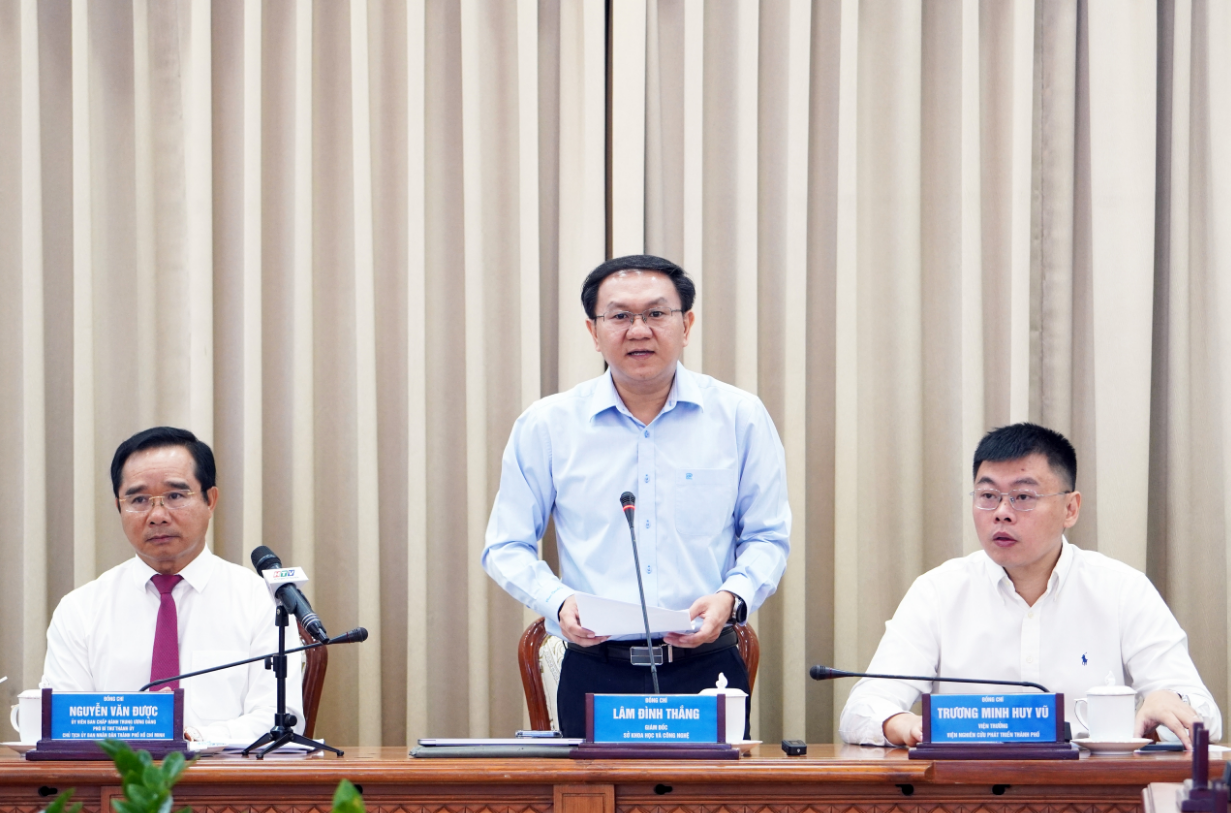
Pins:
x: 110, y: 715
x: 979, y: 718
x: 661, y: 718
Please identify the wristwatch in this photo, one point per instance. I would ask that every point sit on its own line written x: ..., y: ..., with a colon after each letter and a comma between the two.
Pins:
x: 739, y: 610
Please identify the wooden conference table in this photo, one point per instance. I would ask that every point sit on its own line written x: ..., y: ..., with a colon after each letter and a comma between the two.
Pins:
x: 830, y: 779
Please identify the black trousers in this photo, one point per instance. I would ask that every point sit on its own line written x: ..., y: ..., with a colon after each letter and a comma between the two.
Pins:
x: 582, y: 673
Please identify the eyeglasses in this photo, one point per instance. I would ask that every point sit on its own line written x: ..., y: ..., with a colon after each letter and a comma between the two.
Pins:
x: 144, y: 503
x: 653, y: 318
x: 988, y: 499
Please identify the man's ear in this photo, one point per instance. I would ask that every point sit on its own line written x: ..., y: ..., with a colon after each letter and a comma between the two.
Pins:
x: 1072, y: 509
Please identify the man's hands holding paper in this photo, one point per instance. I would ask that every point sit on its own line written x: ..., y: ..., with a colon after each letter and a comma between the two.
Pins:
x: 604, y: 617
x: 716, y: 609
x: 570, y: 625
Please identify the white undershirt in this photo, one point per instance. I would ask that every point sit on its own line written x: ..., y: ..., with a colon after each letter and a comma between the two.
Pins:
x: 1098, y: 617
x: 102, y: 635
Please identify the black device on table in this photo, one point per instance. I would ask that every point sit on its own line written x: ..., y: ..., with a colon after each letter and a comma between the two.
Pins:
x: 795, y: 748
x: 1162, y: 746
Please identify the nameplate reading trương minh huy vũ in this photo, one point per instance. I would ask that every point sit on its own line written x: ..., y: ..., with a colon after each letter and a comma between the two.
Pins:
x: 987, y: 718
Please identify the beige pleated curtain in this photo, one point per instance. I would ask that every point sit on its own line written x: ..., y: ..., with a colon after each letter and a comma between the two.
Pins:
x: 343, y: 242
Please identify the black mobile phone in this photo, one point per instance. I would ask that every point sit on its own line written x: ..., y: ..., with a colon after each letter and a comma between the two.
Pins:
x: 1162, y: 746
x: 795, y: 748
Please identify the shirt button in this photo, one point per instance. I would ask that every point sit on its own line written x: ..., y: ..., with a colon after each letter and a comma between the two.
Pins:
x: 647, y: 433
x: 1029, y: 659
x: 1030, y: 614
x: 647, y: 523
x: 647, y: 478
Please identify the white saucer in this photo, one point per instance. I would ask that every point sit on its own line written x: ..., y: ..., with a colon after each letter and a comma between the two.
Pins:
x: 1111, y: 746
x: 745, y: 746
x: 19, y: 747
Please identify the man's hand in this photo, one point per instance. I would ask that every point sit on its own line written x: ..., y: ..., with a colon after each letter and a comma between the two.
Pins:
x: 1165, y: 708
x: 904, y: 729
x: 570, y: 625
x: 716, y: 609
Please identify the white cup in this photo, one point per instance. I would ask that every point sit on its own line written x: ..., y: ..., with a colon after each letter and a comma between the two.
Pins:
x: 1112, y: 710
x: 735, y: 700
x: 27, y: 715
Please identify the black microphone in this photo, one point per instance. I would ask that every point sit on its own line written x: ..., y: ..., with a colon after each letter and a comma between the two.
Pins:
x: 819, y: 672
x: 291, y: 597
x: 355, y: 636
x: 629, y: 503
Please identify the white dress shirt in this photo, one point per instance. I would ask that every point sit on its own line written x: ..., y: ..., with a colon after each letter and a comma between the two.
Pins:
x: 709, y: 474
x: 1098, y: 617
x: 101, y: 639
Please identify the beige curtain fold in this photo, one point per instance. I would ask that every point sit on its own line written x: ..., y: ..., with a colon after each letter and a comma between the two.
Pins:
x: 343, y: 242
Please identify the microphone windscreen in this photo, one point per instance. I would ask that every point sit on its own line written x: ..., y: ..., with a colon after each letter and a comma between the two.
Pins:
x: 263, y: 559
x: 819, y: 672
x: 627, y: 499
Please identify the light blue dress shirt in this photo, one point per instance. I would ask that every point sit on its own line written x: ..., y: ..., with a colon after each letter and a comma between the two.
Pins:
x: 709, y: 473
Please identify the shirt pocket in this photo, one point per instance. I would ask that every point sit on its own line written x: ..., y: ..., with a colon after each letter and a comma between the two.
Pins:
x: 704, y: 501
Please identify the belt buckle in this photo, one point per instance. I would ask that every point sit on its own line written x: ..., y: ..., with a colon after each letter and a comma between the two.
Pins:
x: 640, y: 655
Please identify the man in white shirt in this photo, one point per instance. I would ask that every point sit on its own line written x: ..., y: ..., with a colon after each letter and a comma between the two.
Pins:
x: 1030, y: 607
x: 174, y: 607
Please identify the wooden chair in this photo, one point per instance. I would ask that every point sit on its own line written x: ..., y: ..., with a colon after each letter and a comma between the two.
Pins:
x: 530, y: 647
x: 313, y: 679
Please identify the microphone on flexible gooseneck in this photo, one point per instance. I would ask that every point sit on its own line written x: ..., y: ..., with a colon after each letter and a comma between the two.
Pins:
x: 629, y: 503
x: 819, y: 672
x: 295, y: 602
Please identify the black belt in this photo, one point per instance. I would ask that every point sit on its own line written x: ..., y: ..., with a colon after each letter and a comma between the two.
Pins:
x: 630, y: 652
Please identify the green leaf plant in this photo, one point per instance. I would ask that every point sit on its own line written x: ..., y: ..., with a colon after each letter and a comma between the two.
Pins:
x: 347, y: 799
x: 147, y: 786
x: 60, y: 805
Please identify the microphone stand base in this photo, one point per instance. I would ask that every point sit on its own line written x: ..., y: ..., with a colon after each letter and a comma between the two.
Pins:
x: 280, y: 737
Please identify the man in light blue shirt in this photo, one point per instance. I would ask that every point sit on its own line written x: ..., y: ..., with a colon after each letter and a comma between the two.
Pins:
x: 707, y: 468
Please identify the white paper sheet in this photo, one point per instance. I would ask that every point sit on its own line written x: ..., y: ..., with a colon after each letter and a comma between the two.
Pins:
x: 608, y: 616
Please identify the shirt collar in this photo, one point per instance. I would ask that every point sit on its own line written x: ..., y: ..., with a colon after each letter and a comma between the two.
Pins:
x: 197, y: 572
x: 1064, y: 566
x: 684, y: 387
x: 1059, y: 574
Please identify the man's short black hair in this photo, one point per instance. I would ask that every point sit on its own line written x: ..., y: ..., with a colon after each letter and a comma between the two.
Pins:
x: 161, y: 436
x: 641, y: 262
x: 1024, y: 439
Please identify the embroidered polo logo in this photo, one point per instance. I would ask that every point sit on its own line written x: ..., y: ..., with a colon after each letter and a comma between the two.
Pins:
x: 1083, y: 659
x: 688, y: 476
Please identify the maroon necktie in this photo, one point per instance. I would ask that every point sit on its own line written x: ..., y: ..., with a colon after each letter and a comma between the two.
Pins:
x: 166, y: 660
